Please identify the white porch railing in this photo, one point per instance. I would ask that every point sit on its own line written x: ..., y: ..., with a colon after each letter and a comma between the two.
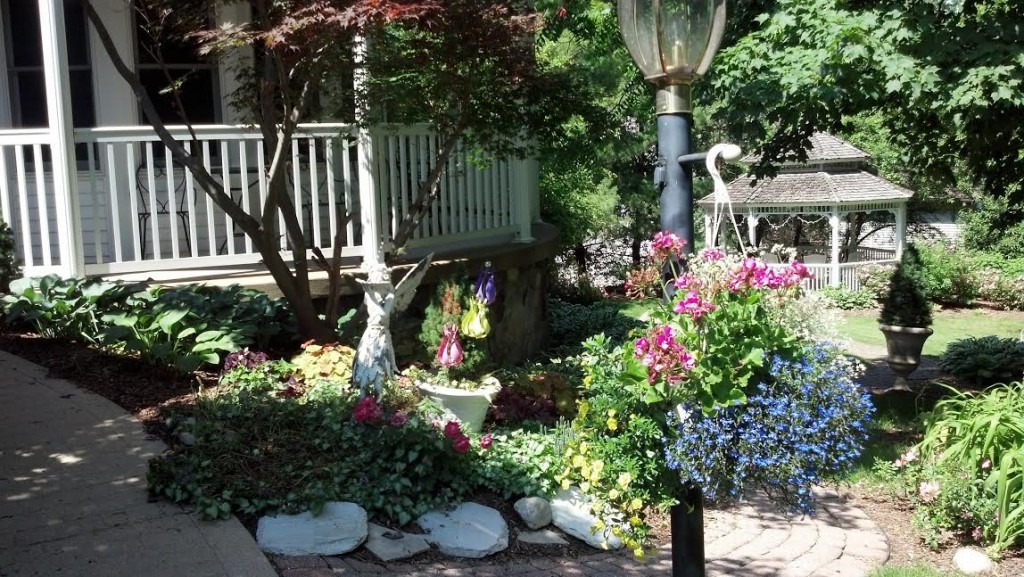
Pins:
x: 137, y: 211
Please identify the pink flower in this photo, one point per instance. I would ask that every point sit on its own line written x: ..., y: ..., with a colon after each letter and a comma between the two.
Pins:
x: 398, y: 419
x: 986, y: 465
x: 692, y: 305
x: 461, y: 444
x: 666, y: 245
x: 449, y: 354
x: 486, y: 441
x: 452, y: 429
x: 366, y: 410
x: 711, y: 255
x: 666, y: 358
x: 929, y: 491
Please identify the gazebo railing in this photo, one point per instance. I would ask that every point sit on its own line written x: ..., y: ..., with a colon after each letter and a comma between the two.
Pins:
x: 848, y: 274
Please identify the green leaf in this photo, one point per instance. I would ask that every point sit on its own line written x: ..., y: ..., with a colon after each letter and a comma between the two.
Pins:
x: 167, y: 319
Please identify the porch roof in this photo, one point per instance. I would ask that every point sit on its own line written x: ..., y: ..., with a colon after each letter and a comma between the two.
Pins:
x: 822, y: 187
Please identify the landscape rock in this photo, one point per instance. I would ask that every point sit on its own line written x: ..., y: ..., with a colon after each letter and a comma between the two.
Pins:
x: 186, y: 438
x: 570, y: 513
x: 972, y: 561
x: 391, y: 544
x: 534, y: 511
x: 544, y: 537
x: 340, y: 528
x: 470, y: 530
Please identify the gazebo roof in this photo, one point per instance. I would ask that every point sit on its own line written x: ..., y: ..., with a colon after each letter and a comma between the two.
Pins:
x: 822, y: 187
x: 824, y: 148
x: 830, y: 176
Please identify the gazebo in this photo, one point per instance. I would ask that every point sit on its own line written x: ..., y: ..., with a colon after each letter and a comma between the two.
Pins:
x: 833, y: 183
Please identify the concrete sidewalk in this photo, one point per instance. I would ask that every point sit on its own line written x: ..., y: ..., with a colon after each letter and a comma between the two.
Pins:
x: 73, y: 492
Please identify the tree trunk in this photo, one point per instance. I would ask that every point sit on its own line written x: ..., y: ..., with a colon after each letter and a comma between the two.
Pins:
x: 580, y: 254
x: 634, y: 251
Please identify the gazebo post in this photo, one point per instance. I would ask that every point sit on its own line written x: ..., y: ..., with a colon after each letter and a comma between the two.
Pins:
x: 901, y: 229
x: 708, y: 241
x: 833, y: 221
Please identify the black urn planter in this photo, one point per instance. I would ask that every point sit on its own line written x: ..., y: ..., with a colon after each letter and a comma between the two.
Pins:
x: 904, y: 346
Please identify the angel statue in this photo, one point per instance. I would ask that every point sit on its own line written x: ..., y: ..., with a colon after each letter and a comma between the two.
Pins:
x: 375, y: 355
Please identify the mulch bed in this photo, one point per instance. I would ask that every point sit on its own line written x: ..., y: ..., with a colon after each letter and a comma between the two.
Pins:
x: 149, y: 392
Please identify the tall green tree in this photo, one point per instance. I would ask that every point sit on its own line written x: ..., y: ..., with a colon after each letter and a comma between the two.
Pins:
x: 945, y: 75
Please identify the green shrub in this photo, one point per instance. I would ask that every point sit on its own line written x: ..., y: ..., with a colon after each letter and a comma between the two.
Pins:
x: 1001, y: 289
x: 64, y: 308
x: 848, y: 300
x: 994, y: 225
x: 180, y: 326
x: 1008, y: 266
x: 258, y: 449
x: 9, y: 269
x: 571, y: 324
x: 948, y: 275
x: 967, y: 473
x: 523, y: 463
x: 906, y: 303
x: 874, y: 279
x: 985, y: 360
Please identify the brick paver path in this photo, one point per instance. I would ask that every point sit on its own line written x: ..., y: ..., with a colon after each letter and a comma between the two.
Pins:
x: 750, y: 540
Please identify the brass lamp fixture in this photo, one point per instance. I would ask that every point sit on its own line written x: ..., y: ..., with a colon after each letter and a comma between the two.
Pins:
x: 672, y: 42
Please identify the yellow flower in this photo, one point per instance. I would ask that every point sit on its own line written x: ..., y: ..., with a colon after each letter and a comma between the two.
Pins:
x: 613, y: 494
x: 598, y: 467
x: 625, y: 479
x: 639, y: 553
x: 584, y: 486
x: 584, y: 447
x: 599, y: 525
x: 586, y: 383
x: 612, y: 412
x: 565, y: 484
x: 584, y: 408
x: 635, y: 521
x: 612, y: 424
x: 636, y: 504
x: 578, y: 461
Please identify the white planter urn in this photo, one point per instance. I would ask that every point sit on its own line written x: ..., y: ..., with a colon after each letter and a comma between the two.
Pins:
x: 469, y: 407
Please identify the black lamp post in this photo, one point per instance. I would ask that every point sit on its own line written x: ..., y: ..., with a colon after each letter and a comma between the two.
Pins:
x: 672, y: 42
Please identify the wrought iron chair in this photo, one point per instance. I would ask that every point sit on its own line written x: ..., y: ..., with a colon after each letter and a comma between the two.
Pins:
x: 163, y: 205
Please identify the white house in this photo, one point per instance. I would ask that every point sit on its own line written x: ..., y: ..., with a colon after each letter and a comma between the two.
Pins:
x: 89, y: 190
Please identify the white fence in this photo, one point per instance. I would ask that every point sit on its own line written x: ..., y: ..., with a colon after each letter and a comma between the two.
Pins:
x: 136, y: 210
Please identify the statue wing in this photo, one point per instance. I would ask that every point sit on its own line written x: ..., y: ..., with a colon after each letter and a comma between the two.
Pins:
x: 407, y: 286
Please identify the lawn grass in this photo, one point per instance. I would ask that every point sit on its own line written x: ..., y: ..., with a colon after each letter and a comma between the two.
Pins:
x: 911, y: 571
x: 949, y: 325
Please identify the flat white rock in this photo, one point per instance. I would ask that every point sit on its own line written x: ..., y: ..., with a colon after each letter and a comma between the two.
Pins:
x: 340, y: 528
x: 972, y: 561
x: 570, y: 513
x: 534, y: 511
x: 470, y: 530
x: 543, y: 537
x: 391, y: 544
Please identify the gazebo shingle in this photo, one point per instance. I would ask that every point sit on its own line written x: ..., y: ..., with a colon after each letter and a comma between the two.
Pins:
x: 824, y: 148
x: 813, y: 188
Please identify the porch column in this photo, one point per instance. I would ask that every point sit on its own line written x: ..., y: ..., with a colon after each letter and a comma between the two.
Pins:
x: 369, y: 204
x: 62, y: 137
x: 901, y: 229
x: 833, y: 221
x: 525, y: 180
x: 752, y: 220
x: 709, y: 241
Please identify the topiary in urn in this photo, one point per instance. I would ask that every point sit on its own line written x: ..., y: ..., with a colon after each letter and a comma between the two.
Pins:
x: 906, y: 317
